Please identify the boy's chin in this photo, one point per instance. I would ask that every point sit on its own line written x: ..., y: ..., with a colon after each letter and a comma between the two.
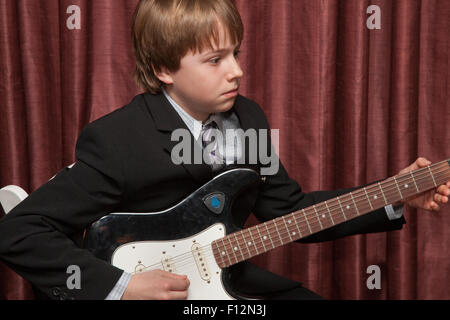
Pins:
x: 226, y: 106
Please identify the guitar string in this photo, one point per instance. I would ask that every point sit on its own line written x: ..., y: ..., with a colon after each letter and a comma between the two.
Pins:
x: 178, y: 259
x: 390, y: 184
x: 240, y: 254
x: 374, y: 189
x: 240, y: 244
x: 270, y: 233
x: 303, y: 234
x: 281, y: 235
x: 363, y: 201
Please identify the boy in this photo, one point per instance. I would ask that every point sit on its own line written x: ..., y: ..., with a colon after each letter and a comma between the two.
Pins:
x: 187, y: 62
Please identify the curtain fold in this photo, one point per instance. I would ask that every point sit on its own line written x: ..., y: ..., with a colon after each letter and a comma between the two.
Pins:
x: 353, y: 105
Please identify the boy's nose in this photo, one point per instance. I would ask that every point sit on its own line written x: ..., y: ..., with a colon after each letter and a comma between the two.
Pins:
x: 235, y: 71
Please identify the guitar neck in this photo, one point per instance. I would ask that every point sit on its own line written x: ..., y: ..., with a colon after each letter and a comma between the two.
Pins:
x: 247, y: 243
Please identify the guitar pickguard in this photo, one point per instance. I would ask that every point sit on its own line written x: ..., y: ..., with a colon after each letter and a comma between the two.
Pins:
x: 191, y: 256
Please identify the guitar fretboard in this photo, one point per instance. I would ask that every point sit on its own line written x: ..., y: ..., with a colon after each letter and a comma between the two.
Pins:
x: 247, y: 243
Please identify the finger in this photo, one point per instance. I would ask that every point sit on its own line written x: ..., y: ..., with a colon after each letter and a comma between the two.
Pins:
x: 422, y: 162
x: 439, y: 198
x: 178, y: 295
x: 443, y: 190
x: 171, y: 275
x: 178, y: 284
x: 434, y: 206
x: 419, y: 163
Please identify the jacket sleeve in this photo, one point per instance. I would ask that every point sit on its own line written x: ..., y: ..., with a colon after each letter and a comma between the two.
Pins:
x: 280, y: 195
x: 37, y: 236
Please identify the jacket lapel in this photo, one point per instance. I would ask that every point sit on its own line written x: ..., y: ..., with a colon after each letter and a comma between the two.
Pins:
x: 246, y: 120
x: 167, y: 120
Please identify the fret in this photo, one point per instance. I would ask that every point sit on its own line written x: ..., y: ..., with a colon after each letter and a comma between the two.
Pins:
x: 293, y: 232
x: 225, y: 252
x: 219, y: 251
x: 417, y: 188
x: 276, y: 228
x: 432, y: 176
x: 296, y: 224
x: 405, y: 187
x: 340, y: 205
x: 329, y: 212
x: 368, y: 199
x: 399, y: 191
x: 306, y: 218
x: 356, y: 207
x: 287, y: 228
x: 317, y: 215
x: 253, y: 240
x: 246, y: 244
x: 382, y: 193
x: 237, y: 248
x: 262, y: 241
x: 325, y: 214
x: 232, y: 250
x: 268, y: 235
x: 386, y: 197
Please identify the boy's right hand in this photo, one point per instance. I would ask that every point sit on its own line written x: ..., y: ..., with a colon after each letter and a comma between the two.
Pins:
x: 156, y: 285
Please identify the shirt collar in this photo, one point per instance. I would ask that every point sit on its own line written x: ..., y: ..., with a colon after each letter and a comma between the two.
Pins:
x: 195, y: 126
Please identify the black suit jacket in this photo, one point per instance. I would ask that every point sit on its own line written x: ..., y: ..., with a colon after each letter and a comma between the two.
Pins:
x: 124, y: 165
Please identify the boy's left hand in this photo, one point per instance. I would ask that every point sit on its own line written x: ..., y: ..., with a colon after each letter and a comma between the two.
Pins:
x: 429, y: 200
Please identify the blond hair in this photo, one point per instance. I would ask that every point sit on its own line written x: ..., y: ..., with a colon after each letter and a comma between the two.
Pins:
x: 165, y: 30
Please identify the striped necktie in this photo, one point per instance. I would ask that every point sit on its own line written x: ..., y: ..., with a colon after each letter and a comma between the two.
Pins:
x: 210, y: 141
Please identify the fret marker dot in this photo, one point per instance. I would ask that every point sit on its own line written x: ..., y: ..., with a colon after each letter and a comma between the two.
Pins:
x: 375, y: 197
x: 406, y: 185
x: 293, y: 233
x: 323, y: 216
x: 264, y: 237
x: 235, y: 248
x: 249, y: 243
x: 348, y: 207
x: 223, y: 253
x: 289, y: 221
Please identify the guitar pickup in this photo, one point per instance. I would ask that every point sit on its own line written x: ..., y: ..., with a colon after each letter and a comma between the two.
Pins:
x: 199, y: 258
x: 168, y: 264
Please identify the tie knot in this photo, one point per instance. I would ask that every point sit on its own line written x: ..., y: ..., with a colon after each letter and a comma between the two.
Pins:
x: 210, y: 144
x: 210, y: 125
x: 207, y: 132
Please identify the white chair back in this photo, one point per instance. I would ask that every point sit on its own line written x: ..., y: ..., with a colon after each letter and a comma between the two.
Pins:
x: 11, y: 196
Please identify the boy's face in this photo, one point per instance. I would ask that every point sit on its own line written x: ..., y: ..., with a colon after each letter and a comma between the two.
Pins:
x: 203, y: 83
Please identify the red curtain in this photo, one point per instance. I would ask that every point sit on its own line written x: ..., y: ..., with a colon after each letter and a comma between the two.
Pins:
x: 353, y: 104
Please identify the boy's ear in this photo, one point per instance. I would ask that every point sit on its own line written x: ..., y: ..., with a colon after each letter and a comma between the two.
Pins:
x: 163, y: 75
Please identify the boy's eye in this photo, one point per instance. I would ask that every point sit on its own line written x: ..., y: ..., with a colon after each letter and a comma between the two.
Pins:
x: 215, y: 60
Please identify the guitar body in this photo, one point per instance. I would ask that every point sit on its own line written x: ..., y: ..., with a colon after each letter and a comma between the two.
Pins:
x: 198, y: 236
x: 178, y: 239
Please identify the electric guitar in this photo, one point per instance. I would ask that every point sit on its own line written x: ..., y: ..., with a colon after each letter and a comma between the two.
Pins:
x: 197, y: 237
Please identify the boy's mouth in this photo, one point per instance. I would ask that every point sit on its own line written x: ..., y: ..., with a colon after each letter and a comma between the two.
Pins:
x: 234, y: 91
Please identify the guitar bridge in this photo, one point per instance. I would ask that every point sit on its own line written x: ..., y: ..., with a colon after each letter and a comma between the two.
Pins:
x: 200, y: 260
